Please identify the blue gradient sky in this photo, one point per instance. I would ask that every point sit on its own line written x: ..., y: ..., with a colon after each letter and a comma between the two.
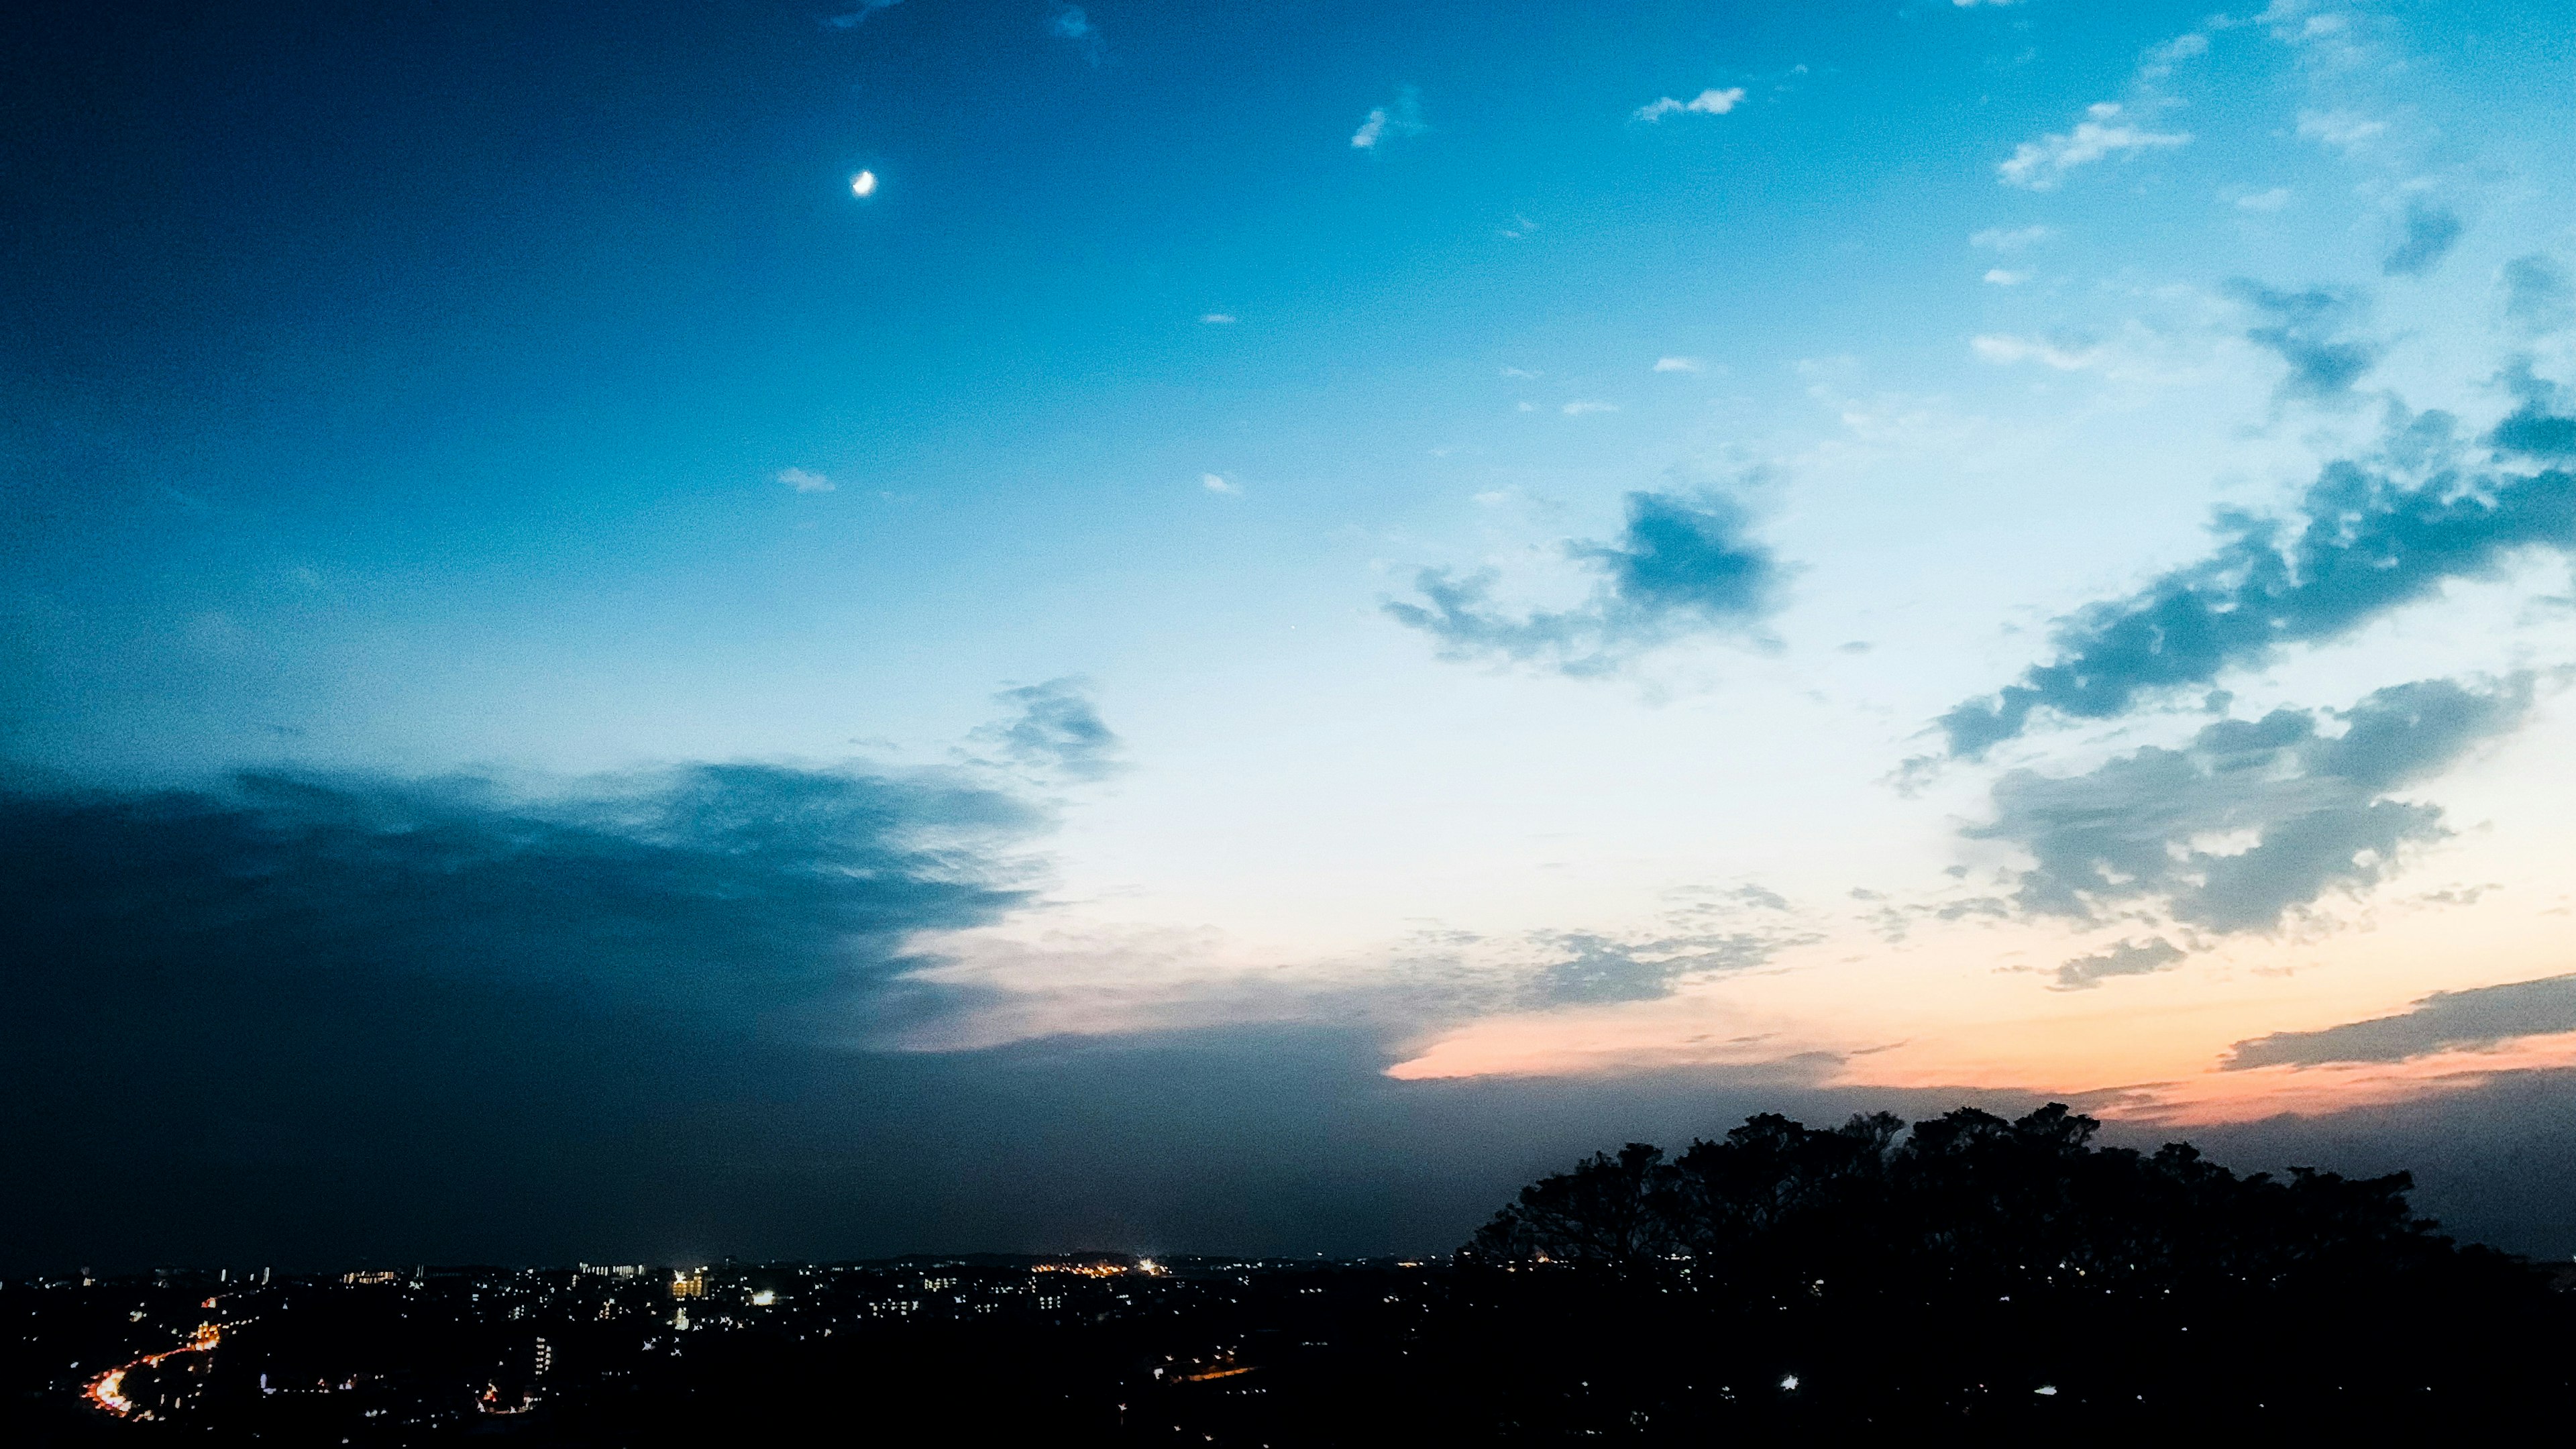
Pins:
x: 398, y: 395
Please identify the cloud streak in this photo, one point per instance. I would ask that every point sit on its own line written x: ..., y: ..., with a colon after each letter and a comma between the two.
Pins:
x: 2126, y: 958
x: 1597, y: 970
x: 2484, y: 1017
x: 1054, y: 728
x: 1710, y: 102
x: 857, y: 16
x: 1682, y: 565
x: 1389, y: 122
x: 2312, y: 332
x: 1070, y: 23
x: 2428, y: 234
x: 2042, y: 165
x: 2538, y: 299
x: 2369, y: 536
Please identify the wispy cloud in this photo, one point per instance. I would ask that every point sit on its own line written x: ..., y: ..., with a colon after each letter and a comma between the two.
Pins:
x: 857, y: 15
x: 2477, y: 1019
x: 2543, y: 427
x: 1997, y: 276
x: 2369, y: 536
x: 805, y: 480
x: 1595, y: 969
x: 2042, y: 164
x: 2426, y: 236
x: 1385, y: 123
x: 1683, y: 565
x: 2125, y: 958
x: 2272, y: 200
x: 1583, y: 406
x: 1069, y: 22
x: 2313, y: 332
x: 2537, y: 295
x: 1680, y: 364
x: 1710, y: 102
x: 2011, y: 239
x: 1218, y: 319
x: 2160, y: 60
x: 2253, y: 819
x: 2344, y: 130
x: 1216, y: 483
x: 1999, y: 348
x: 1055, y: 729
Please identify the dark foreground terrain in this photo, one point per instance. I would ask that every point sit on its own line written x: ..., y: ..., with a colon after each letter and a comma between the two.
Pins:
x: 1999, y: 1279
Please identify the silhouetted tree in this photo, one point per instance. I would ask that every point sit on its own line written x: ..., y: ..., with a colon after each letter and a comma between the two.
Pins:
x: 1610, y: 1210
x: 2000, y: 1270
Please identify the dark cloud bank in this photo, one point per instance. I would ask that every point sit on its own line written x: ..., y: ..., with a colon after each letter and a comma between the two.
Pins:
x: 1682, y: 565
x: 301, y: 1021
x: 2471, y: 1020
x: 304, y: 1020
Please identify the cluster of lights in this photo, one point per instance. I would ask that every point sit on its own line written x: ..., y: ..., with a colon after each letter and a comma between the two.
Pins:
x: 1146, y: 1266
x: 108, y: 1390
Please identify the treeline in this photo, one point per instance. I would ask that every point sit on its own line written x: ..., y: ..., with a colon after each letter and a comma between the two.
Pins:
x: 2002, y: 1273
x: 1968, y: 1199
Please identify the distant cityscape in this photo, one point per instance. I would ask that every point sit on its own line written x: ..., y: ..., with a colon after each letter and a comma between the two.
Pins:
x: 1961, y: 1274
x: 385, y: 1355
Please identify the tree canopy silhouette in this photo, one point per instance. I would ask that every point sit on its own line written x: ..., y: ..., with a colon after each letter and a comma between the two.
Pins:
x: 1967, y: 1198
x: 2000, y: 1269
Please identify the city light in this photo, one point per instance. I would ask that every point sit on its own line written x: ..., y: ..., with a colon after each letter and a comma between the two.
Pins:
x: 107, y: 1391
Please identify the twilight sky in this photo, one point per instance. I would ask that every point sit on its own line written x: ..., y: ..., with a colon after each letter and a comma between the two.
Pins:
x: 891, y: 624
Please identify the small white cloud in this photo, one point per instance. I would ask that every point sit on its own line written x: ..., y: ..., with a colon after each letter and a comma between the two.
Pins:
x: 2011, y: 239
x: 1972, y: 4
x: 1070, y: 23
x: 1996, y: 348
x: 864, y: 184
x: 1579, y: 408
x: 2161, y: 60
x: 1495, y: 499
x: 1520, y: 226
x: 805, y: 480
x: 854, y: 18
x: 2348, y: 130
x: 1215, y: 483
x: 1522, y: 372
x: 2040, y: 165
x: 1404, y: 118
x: 2002, y: 278
x: 1525, y: 407
x: 2272, y: 200
x: 1680, y: 364
x: 1710, y: 102
x: 1217, y: 319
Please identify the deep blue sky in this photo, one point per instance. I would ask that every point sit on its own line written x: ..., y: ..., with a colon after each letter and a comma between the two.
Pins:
x: 1447, y: 568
